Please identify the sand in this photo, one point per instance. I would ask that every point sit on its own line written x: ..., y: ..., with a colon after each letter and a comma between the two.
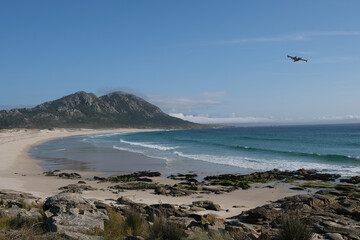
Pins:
x: 21, y: 173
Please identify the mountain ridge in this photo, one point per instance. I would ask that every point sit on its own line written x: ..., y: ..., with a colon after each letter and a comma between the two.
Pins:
x: 82, y: 109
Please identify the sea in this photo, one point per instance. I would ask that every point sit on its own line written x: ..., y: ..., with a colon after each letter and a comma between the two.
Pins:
x: 242, y: 150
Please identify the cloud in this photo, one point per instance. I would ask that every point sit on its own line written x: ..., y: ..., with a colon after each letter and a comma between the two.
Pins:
x: 9, y: 107
x: 180, y: 100
x: 341, y: 118
x: 187, y: 104
x: 221, y: 120
x: 214, y: 94
x: 304, y: 36
x: 106, y: 90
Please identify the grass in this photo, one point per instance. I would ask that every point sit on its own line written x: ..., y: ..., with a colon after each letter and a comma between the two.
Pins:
x: 293, y: 228
x: 113, y: 228
x: 162, y: 229
x: 135, y: 224
x: 20, y: 228
x: 201, y: 234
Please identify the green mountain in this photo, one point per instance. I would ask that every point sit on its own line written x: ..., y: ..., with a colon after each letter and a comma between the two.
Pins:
x: 86, y: 110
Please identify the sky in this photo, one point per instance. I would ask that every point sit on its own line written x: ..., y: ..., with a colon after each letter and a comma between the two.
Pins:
x: 202, y: 60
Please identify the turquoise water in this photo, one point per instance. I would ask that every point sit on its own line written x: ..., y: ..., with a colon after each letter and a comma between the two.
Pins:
x: 327, y: 148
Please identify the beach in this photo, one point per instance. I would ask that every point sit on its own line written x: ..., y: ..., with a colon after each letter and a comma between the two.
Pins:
x: 20, y: 172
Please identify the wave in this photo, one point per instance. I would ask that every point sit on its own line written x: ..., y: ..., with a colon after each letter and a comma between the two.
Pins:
x: 167, y: 160
x: 269, y: 164
x: 149, y: 145
x: 328, y: 157
x: 105, y: 135
x: 127, y: 149
x: 56, y: 150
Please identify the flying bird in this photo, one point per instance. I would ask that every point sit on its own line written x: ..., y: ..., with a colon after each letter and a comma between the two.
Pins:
x: 297, y: 58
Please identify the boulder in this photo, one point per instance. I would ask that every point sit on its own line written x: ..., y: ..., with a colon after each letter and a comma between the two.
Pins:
x: 81, y: 236
x: 71, y: 212
x: 208, y: 205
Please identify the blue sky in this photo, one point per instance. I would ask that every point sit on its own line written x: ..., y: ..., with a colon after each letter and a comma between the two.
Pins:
x: 207, y: 61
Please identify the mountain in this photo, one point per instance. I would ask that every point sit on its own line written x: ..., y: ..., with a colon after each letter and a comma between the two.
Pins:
x: 86, y: 110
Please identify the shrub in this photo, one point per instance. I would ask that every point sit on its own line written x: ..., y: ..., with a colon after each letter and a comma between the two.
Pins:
x: 20, y: 228
x: 293, y: 228
x: 162, y: 229
x: 135, y: 223
x: 201, y: 234
x: 114, y: 227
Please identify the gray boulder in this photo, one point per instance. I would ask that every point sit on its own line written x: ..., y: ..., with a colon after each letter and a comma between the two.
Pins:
x: 208, y: 205
x: 72, y: 213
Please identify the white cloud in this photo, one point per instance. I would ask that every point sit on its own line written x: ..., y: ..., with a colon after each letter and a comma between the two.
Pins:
x: 341, y: 118
x: 289, y: 37
x: 180, y: 100
x: 221, y: 120
x: 215, y: 94
x: 188, y: 104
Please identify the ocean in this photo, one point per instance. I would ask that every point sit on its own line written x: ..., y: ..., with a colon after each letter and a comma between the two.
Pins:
x: 326, y: 148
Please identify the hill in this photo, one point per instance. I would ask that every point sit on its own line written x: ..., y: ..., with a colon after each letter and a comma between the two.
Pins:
x: 86, y: 110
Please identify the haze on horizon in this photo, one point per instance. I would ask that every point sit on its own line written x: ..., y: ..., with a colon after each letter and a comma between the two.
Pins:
x: 204, y: 61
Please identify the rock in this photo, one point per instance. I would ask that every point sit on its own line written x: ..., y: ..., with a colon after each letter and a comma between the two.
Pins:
x: 197, y: 209
x: 74, y: 188
x: 332, y: 214
x: 334, y: 236
x: 208, y: 205
x: 161, y: 190
x: 183, y: 176
x: 131, y: 237
x: 15, y: 211
x: 71, y: 212
x: 264, y: 214
x: 241, y: 229
x: 81, y: 236
x: 136, y: 176
x: 69, y: 175
x: 208, y: 222
x: 9, y: 198
x: 99, y: 178
x: 213, y: 223
x: 353, y: 180
x: 162, y: 210
x: 124, y: 200
x: 103, y: 206
x: 184, y: 207
x: 178, y: 192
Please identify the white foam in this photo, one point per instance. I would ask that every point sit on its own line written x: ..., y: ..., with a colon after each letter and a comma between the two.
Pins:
x: 269, y: 164
x: 105, y: 135
x: 148, y: 145
x: 127, y: 149
x: 58, y: 150
x: 142, y: 152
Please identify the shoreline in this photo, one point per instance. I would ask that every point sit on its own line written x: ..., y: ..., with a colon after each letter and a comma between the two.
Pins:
x: 20, y: 172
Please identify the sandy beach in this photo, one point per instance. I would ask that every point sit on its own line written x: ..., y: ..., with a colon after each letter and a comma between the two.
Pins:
x: 21, y: 173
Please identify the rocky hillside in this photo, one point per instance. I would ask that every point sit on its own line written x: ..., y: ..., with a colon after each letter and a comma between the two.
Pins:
x: 86, y: 110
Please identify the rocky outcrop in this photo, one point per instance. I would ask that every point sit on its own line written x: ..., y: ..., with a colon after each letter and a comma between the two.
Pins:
x: 208, y: 205
x: 73, y: 213
x: 328, y: 213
